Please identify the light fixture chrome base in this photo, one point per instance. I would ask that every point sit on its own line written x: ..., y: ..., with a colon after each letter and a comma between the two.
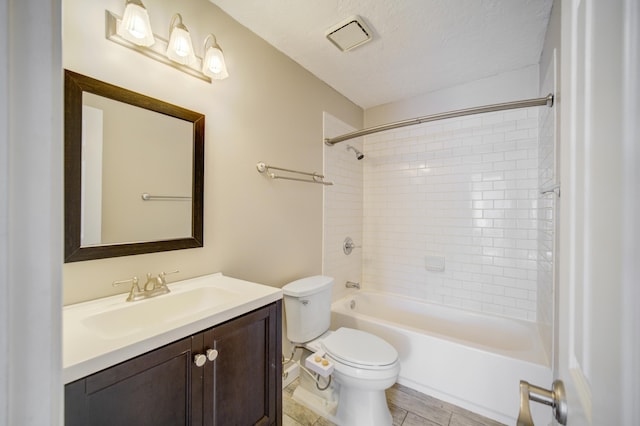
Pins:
x: 157, y: 51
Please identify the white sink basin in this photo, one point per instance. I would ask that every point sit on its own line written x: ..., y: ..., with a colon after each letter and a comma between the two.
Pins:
x: 135, y: 317
x: 103, y: 332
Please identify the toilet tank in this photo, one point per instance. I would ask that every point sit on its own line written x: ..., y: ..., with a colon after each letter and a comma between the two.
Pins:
x: 307, y: 307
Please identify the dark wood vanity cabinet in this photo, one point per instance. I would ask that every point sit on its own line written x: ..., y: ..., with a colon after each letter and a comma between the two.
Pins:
x: 151, y: 389
x: 242, y: 386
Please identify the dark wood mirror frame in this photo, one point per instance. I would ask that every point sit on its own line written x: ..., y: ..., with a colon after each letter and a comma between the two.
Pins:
x: 75, y: 84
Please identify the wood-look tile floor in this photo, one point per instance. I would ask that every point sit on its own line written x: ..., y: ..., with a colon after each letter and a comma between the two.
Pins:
x: 408, y: 408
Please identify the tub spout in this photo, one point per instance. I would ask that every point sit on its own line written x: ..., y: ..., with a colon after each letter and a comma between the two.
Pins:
x: 351, y: 284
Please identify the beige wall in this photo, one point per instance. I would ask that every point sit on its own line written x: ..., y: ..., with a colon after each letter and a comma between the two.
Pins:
x: 269, y: 109
x: 504, y: 87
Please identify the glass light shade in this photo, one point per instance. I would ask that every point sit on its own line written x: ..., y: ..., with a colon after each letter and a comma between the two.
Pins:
x: 135, y: 26
x: 180, y: 48
x: 213, y: 64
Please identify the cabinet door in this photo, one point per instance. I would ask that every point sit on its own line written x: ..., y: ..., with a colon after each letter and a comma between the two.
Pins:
x: 243, y: 386
x: 152, y: 389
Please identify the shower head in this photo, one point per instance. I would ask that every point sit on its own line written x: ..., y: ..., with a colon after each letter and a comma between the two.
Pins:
x: 359, y: 155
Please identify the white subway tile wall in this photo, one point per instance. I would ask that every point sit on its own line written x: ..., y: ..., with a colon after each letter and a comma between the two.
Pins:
x: 465, y: 189
x: 342, y: 207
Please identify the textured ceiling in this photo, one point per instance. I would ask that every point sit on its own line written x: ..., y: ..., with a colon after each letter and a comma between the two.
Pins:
x: 419, y: 45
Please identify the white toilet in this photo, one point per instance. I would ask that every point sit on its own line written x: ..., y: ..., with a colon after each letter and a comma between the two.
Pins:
x: 364, y: 364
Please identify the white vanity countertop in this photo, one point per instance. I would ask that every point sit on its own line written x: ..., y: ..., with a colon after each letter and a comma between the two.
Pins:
x: 104, y: 332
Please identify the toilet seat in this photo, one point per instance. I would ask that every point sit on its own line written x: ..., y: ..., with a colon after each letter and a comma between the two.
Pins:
x: 359, y: 349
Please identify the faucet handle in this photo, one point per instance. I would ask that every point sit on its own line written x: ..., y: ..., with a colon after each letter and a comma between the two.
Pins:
x: 133, y: 281
x: 135, y: 289
x: 161, y: 282
x: 348, y: 245
x: 162, y: 277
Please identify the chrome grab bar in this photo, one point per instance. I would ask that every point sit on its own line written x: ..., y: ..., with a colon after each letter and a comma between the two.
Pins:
x: 555, y: 398
x: 315, y: 177
x: 148, y: 197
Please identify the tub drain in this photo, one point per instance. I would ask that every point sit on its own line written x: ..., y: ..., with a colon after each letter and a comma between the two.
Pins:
x: 352, y: 304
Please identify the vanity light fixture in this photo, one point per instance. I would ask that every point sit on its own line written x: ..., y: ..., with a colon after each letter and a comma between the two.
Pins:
x: 180, y: 48
x: 213, y: 64
x: 135, y: 26
x: 177, y: 52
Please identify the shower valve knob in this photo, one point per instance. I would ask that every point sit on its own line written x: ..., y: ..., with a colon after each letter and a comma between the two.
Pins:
x: 348, y: 245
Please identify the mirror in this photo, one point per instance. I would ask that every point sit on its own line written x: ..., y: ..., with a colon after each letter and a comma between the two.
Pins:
x: 134, y: 172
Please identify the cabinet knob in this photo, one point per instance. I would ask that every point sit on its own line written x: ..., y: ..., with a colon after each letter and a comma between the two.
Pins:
x: 199, y: 360
x: 212, y: 354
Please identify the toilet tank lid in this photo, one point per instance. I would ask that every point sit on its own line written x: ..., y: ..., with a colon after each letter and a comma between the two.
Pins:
x: 307, y: 286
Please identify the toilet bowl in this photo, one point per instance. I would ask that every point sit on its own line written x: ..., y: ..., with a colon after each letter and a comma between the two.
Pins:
x: 364, y: 365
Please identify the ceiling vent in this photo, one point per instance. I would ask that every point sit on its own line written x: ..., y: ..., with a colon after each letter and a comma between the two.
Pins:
x: 349, y: 34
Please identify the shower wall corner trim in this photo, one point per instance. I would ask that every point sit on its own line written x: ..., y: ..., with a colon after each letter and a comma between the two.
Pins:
x: 544, y: 101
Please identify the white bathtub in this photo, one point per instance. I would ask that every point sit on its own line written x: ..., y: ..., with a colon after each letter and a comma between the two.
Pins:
x: 471, y: 360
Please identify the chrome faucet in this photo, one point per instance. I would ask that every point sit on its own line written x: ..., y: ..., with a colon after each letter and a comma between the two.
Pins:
x: 154, y: 286
x: 351, y: 284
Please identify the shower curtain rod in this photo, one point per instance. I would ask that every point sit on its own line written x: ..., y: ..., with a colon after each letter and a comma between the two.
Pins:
x: 547, y: 100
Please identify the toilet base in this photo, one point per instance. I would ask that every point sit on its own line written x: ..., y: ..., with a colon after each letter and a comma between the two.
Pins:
x: 316, y: 403
x: 359, y: 407
x: 344, y: 405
